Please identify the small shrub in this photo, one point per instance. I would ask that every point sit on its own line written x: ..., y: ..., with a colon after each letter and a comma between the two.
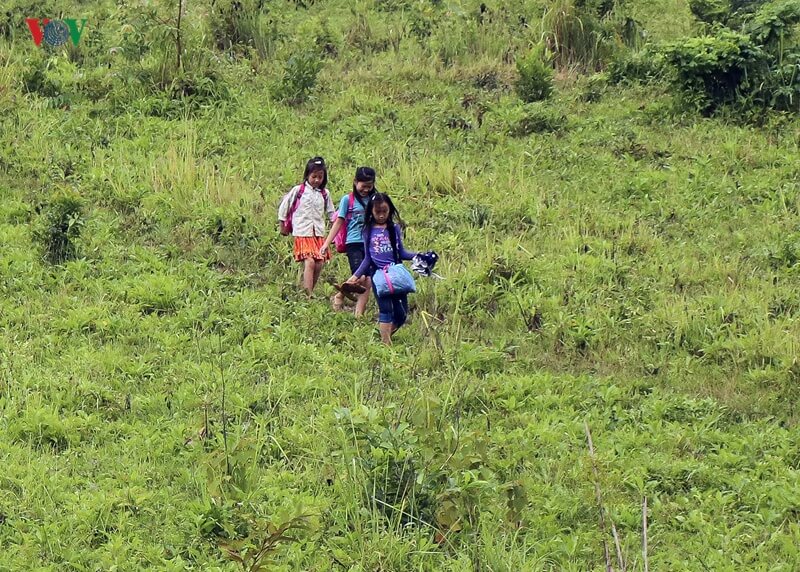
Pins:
x: 599, y: 8
x: 37, y: 78
x: 199, y: 87
x: 299, y: 77
x: 61, y: 227
x: 753, y: 68
x: 715, y: 70
x: 236, y: 24
x: 710, y: 11
x: 535, y: 81
x: 157, y: 294
x: 320, y: 37
x: 421, y: 19
x: 773, y: 25
x: 574, y: 36
x: 97, y: 85
x: 642, y: 66
x: 783, y: 84
x: 538, y: 119
x: 595, y: 87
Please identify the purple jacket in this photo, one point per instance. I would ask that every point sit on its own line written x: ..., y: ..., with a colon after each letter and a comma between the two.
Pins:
x: 378, y: 250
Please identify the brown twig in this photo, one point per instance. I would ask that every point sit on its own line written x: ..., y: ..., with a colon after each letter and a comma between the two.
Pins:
x: 644, y: 534
x: 620, y: 559
x: 178, y: 38
x: 599, y: 496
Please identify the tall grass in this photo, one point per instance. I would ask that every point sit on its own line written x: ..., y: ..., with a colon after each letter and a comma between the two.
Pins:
x: 573, y: 37
x: 192, y: 184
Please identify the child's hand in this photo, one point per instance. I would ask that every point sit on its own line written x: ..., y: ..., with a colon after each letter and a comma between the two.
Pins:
x: 323, y: 248
x: 352, y: 280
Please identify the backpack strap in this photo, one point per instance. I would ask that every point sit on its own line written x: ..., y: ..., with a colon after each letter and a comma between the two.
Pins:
x: 350, y: 203
x: 296, y: 201
x: 392, y: 230
x: 389, y: 284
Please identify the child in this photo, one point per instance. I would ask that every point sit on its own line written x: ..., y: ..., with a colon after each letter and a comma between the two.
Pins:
x: 305, y: 207
x: 383, y: 243
x: 363, y: 189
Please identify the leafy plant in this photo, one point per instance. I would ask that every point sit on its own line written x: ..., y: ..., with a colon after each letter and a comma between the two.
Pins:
x: 710, y: 11
x: 755, y: 66
x: 537, y: 118
x: 636, y: 66
x: 299, y: 77
x: 255, y: 552
x: 774, y: 25
x: 60, y: 228
x: 535, y: 78
x: 715, y: 70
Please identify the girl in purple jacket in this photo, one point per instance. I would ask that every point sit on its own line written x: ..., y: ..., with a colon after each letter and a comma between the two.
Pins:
x: 383, y: 241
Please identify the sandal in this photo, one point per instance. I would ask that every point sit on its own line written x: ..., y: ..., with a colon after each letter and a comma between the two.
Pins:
x: 350, y: 287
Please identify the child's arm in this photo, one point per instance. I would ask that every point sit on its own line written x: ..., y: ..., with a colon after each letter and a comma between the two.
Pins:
x: 404, y: 254
x: 337, y: 225
x: 362, y: 269
x: 287, y: 202
x: 365, y: 264
x: 329, y: 208
x: 283, y: 208
x: 334, y: 231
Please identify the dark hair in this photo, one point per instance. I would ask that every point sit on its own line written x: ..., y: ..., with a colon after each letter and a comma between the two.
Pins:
x: 315, y: 164
x: 364, y: 175
x: 369, y: 221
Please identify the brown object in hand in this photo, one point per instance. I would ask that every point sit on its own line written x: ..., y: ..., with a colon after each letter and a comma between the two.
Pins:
x: 353, y: 287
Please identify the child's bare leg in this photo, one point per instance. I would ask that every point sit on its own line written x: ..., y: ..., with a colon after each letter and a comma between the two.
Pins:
x: 318, y: 264
x: 308, y: 275
x: 386, y: 330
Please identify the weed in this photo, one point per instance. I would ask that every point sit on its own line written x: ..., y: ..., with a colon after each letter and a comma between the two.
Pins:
x: 299, y: 77
x: 535, y: 81
x: 60, y: 228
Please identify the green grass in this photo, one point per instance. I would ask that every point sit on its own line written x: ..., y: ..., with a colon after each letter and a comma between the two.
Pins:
x: 169, y: 398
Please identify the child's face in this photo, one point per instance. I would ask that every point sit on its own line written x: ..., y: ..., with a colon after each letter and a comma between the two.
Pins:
x: 315, y: 178
x: 364, y: 188
x: 380, y: 212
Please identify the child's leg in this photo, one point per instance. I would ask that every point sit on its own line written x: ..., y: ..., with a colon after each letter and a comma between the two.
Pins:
x: 318, y: 264
x: 363, y: 299
x: 386, y: 329
x: 385, y: 318
x: 399, y: 310
x: 308, y: 275
x: 355, y: 255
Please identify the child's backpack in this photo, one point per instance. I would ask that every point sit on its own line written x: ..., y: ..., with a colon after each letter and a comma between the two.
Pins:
x: 340, y: 240
x: 286, y: 226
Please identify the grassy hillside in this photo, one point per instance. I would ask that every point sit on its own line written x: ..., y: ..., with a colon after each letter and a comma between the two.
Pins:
x: 169, y: 400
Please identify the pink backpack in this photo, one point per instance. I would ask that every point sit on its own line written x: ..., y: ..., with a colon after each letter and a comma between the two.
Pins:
x: 340, y: 240
x: 286, y: 226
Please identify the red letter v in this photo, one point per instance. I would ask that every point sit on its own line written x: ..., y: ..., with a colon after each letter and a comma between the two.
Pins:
x: 36, y: 29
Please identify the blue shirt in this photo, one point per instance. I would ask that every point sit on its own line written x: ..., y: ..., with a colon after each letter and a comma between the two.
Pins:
x: 355, y: 228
